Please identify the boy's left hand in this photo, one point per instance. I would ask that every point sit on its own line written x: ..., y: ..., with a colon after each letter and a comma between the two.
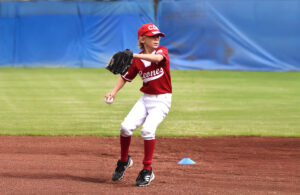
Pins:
x: 120, y: 62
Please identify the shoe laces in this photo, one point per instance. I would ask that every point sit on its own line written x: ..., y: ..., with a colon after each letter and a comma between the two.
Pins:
x: 144, y: 172
x: 121, y: 166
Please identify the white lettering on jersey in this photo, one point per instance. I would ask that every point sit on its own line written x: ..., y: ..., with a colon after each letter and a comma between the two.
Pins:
x: 152, y: 75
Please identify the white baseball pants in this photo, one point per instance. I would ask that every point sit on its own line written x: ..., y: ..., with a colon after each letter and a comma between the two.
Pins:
x: 150, y: 110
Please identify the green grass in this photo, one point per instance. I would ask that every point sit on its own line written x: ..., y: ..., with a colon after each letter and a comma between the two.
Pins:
x: 70, y: 101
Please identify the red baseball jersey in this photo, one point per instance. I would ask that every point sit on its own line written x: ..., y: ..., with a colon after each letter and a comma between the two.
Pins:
x: 156, y: 76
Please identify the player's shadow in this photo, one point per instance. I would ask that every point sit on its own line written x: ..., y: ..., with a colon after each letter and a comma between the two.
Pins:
x: 53, y: 176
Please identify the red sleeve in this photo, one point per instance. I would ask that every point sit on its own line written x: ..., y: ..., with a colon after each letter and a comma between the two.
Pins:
x: 131, y: 73
x: 164, y: 52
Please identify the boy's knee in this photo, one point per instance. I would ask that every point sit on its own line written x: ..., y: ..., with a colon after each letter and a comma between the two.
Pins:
x: 148, y: 135
x: 125, y: 132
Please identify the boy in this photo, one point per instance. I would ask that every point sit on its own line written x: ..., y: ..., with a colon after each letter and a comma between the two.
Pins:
x: 153, y: 66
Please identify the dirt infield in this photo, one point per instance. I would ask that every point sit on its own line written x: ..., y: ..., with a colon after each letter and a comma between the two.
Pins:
x: 84, y: 165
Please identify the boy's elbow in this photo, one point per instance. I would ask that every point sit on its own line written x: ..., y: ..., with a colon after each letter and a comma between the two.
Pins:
x: 159, y: 58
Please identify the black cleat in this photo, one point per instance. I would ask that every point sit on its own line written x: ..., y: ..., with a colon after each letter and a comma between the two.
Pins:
x: 145, y: 177
x: 121, y: 168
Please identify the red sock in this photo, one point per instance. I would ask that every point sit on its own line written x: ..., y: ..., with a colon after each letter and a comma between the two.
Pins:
x: 148, y: 153
x: 125, y: 143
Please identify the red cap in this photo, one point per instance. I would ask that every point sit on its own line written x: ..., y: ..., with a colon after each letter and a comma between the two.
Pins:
x: 149, y: 30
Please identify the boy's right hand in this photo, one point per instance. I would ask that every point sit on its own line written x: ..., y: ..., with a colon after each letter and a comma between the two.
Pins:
x: 109, y: 98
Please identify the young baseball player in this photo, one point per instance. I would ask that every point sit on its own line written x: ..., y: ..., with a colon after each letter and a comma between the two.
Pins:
x: 152, y: 65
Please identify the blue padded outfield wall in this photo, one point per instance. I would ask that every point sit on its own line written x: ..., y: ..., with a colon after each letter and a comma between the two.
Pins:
x: 77, y: 34
x: 261, y: 35
x: 232, y: 34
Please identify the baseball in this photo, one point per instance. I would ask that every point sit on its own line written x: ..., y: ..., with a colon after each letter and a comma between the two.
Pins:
x: 109, y: 100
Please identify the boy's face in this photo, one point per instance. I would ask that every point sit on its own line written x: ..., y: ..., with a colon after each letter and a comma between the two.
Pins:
x: 151, y: 42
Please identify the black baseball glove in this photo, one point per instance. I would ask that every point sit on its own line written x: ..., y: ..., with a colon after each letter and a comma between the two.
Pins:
x: 120, y: 62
